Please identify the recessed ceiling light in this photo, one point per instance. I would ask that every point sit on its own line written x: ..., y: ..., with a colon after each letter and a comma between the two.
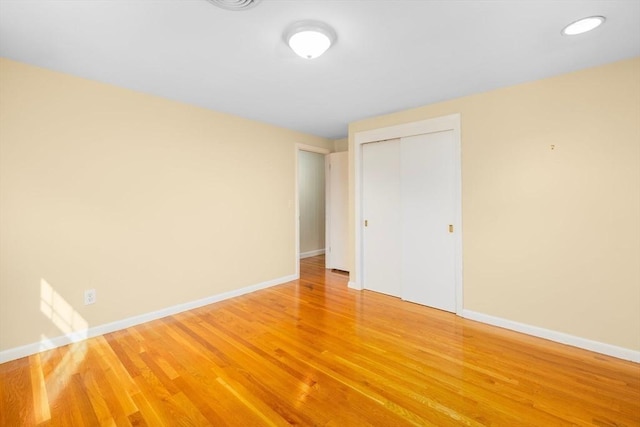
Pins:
x: 309, y: 39
x: 583, y: 25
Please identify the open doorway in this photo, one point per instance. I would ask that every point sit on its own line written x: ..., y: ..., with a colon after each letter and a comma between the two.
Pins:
x: 311, y: 196
x: 310, y: 202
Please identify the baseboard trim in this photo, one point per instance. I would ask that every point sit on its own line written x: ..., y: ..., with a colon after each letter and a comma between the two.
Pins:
x: 29, y: 349
x: 354, y: 285
x: 560, y: 337
x: 309, y: 254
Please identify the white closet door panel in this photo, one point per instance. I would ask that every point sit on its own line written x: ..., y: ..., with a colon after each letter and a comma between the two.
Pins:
x: 381, y: 202
x: 428, y: 208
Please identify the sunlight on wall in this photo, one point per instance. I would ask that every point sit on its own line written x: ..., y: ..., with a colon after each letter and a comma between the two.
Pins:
x: 61, y: 313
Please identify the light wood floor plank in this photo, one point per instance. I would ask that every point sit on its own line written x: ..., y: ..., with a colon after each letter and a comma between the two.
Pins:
x: 313, y: 352
x: 40, y: 399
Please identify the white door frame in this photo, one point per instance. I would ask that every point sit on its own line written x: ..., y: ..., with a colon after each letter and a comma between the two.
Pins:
x: 438, y: 124
x: 296, y: 218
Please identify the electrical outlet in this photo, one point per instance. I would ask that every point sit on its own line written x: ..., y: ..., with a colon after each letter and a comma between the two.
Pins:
x: 89, y: 296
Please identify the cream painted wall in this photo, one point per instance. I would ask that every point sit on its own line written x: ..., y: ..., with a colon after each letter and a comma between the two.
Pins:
x: 151, y: 202
x: 341, y: 145
x: 550, y: 201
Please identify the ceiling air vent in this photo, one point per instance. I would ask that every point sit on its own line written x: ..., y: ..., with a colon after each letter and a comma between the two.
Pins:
x: 235, y: 4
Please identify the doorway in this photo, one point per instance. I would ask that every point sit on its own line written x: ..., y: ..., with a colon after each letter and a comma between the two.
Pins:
x: 311, y: 196
x: 309, y: 202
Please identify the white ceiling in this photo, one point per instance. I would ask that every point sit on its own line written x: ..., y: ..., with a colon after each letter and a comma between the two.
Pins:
x: 390, y: 54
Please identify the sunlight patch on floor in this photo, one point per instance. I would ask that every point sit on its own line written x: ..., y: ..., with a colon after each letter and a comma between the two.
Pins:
x: 74, y: 327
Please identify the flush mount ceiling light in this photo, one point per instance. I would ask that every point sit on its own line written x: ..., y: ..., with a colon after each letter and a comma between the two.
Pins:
x: 583, y: 25
x: 309, y: 39
x: 235, y: 4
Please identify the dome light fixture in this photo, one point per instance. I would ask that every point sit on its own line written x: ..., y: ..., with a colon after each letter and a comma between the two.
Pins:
x: 235, y: 5
x: 309, y: 39
x: 583, y: 25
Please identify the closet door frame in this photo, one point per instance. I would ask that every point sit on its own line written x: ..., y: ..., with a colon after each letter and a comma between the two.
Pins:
x: 438, y: 124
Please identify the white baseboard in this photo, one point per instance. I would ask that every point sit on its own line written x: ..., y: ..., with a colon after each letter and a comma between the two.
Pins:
x: 37, y: 347
x: 309, y: 254
x: 354, y: 285
x: 561, y: 337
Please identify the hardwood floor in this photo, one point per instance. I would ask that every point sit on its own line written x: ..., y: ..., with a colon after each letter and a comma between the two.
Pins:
x: 312, y: 352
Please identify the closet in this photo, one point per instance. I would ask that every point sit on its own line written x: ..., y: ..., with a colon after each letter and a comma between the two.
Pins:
x: 409, y: 209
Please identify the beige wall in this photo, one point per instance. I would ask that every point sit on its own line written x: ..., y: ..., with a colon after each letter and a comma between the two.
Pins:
x: 551, y: 237
x: 151, y: 202
x: 341, y: 145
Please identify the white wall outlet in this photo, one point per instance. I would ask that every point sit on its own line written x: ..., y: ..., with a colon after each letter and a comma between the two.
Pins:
x: 89, y: 296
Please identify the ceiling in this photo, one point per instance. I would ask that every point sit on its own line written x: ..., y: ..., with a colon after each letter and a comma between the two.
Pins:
x: 390, y: 55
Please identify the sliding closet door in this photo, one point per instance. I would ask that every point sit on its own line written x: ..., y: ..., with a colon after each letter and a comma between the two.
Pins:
x: 428, y: 212
x: 408, y: 202
x: 382, y: 228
